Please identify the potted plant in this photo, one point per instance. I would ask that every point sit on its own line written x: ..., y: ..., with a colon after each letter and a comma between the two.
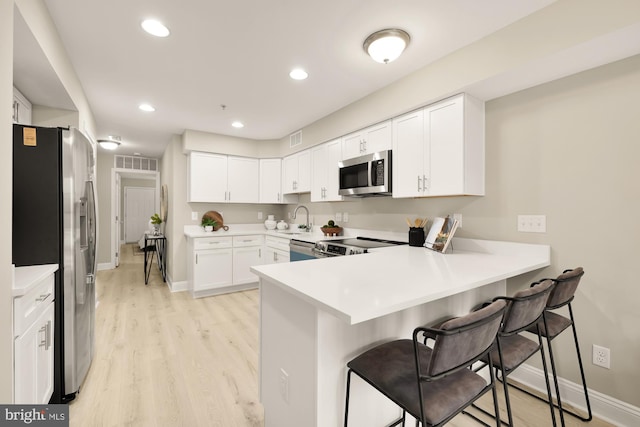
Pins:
x: 331, y: 229
x: 155, y: 222
x: 208, y: 223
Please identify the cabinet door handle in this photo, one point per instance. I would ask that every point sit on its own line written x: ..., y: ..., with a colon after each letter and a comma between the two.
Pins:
x: 47, y: 335
x: 43, y: 297
x: 278, y: 196
x: 419, y: 189
x: 196, y: 258
x: 259, y: 253
x: 364, y: 145
x: 275, y: 256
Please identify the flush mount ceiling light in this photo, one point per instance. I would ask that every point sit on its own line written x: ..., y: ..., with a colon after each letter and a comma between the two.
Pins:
x: 147, y: 107
x: 110, y: 144
x: 237, y: 124
x: 155, y: 28
x: 385, y: 46
x: 298, y: 74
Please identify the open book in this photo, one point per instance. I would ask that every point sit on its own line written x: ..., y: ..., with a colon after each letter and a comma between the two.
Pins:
x: 440, y: 234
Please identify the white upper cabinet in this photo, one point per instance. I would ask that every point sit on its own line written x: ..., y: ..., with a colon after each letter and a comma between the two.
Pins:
x: 297, y: 173
x: 439, y: 150
x: 216, y: 178
x: 21, y: 108
x: 243, y: 177
x: 324, y: 171
x: 368, y: 140
x: 207, y: 177
x: 270, y: 181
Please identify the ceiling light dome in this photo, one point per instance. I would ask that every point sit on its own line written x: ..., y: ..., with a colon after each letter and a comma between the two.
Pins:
x: 385, y: 46
x: 110, y: 144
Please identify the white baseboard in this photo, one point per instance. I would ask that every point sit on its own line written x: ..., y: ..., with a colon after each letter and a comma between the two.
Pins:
x: 176, y: 286
x: 106, y: 266
x: 604, y: 407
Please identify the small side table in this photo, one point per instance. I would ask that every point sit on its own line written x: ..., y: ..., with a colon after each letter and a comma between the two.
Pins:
x: 159, y: 243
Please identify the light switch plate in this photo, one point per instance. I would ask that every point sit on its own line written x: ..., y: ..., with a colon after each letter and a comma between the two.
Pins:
x: 345, y: 217
x: 194, y: 216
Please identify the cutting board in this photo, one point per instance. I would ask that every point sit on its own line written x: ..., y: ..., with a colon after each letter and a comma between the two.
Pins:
x: 214, y: 215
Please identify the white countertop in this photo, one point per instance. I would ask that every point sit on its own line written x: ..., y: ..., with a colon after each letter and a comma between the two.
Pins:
x: 196, y: 232
x: 363, y: 287
x: 27, y: 277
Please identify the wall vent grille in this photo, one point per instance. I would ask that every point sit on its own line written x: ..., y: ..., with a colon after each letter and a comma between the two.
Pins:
x: 295, y: 139
x: 135, y: 163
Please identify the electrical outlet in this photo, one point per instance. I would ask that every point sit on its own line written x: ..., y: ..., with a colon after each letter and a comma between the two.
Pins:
x: 601, y: 356
x: 458, y: 217
x: 194, y: 216
x: 532, y: 223
x: 338, y: 216
x: 345, y: 217
x: 283, y: 385
x: 259, y: 215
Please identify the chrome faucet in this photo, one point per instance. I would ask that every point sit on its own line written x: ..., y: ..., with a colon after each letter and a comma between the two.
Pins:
x: 307, y: 225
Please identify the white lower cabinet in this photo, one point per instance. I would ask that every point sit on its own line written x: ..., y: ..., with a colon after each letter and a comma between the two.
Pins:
x: 247, y: 251
x: 222, y: 264
x: 33, y: 344
x: 276, y: 250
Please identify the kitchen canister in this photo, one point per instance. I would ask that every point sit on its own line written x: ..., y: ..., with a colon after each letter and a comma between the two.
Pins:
x: 270, y: 223
x: 416, y: 236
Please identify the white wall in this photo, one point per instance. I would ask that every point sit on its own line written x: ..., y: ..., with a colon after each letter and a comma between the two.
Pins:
x: 6, y: 187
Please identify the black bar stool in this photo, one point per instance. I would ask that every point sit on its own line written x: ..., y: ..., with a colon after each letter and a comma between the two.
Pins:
x: 433, y: 384
x: 554, y: 324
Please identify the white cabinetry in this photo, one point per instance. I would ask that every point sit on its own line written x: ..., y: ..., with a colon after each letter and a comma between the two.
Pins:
x: 21, y: 108
x: 212, y: 263
x: 247, y: 251
x: 368, y: 140
x: 216, y: 178
x: 243, y: 180
x: 297, y: 173
x: 271, y: 183
x: 324, y: 171
x: 222, y: 264
x: 207, y: 177
x: 34, y: 336
x: 276, y: 250
x: 439, y: 150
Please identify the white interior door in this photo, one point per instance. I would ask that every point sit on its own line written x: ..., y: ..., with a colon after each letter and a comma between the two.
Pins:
x: 139, y: 205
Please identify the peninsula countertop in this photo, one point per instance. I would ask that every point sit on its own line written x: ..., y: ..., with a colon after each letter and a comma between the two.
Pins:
x: 387, y: 280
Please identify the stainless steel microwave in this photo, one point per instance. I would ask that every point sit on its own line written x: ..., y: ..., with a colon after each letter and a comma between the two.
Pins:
x: 368, y: 175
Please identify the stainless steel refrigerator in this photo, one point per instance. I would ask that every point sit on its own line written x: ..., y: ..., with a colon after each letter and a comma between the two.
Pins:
x: 54, y: 222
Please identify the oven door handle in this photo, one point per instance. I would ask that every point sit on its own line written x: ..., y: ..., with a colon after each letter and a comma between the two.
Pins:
x: 321, y: 254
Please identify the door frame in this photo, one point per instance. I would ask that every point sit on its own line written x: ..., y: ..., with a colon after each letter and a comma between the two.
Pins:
x: 115, y: 220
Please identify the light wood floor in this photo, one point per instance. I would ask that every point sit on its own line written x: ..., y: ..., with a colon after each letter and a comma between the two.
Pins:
x: 164, y: 359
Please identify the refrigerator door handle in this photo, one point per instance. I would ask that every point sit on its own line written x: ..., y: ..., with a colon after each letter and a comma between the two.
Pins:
x: 92, y: 216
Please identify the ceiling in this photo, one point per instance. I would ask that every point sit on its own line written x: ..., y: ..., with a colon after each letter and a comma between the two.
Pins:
x: 238, y: 54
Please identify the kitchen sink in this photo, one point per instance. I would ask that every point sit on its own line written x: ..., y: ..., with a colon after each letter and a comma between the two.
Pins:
x: 290, y: 231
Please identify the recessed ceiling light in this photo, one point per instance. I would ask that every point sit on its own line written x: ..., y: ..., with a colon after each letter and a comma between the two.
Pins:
x: 146, y: 107
x: 298, y: 74
x: 137, y: 154
x: 155, y: 28
x: 237, y: 124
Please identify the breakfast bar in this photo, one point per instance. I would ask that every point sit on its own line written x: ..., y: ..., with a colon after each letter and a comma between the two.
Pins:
x: 317, y: 315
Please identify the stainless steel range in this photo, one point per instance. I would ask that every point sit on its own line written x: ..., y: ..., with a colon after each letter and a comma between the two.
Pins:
x: 351, y: 246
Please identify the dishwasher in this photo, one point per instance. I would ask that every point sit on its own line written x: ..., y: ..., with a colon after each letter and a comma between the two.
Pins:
x: 299, y: 250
